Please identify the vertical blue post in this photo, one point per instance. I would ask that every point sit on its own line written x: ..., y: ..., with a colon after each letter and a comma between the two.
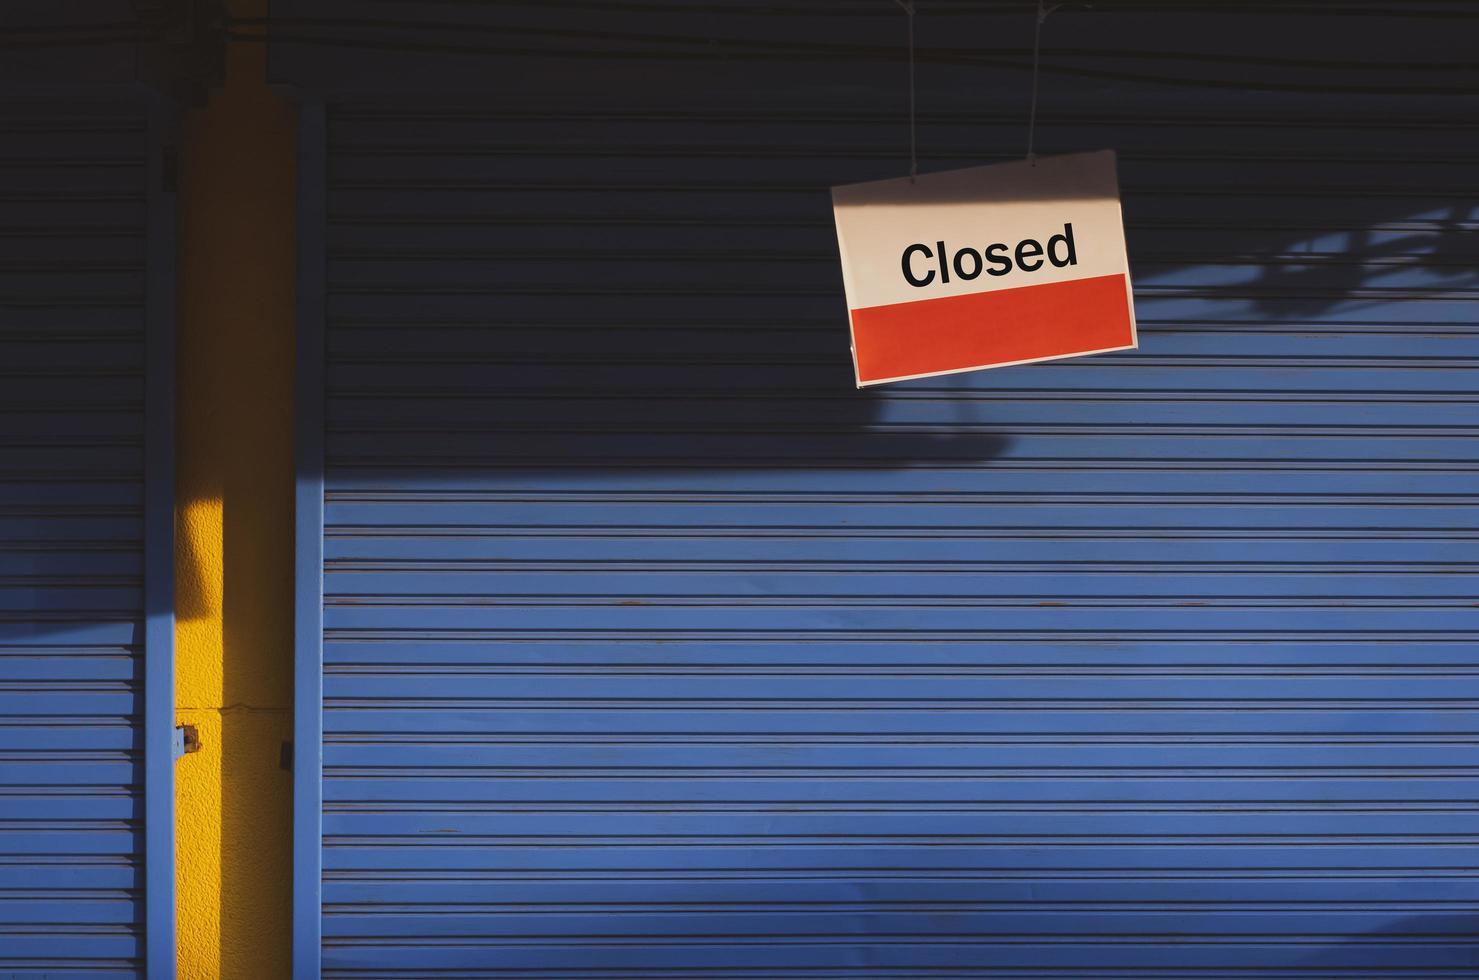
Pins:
x: 308, y: 549
x: 159, y: 544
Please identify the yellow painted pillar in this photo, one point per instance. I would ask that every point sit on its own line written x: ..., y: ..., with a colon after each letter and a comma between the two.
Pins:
x: 234, y: 524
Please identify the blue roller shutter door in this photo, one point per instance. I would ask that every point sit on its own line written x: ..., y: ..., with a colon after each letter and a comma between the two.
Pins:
x: 84, y: 388
x: 650, y: 648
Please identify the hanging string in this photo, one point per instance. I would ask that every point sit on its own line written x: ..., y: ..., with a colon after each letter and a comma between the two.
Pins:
x: 908, y: 8
x: 1042, y: 15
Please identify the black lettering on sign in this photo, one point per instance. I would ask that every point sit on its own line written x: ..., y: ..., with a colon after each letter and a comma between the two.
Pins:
x: 997, y: 256
x: 929, y: 277
x: 1067, y: 239
x: 1002, y: 258
x: 975, y: 263
x: 1029, y: 248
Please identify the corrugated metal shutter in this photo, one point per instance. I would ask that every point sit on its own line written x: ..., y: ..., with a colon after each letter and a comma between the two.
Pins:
x: 652, y: 649
x: 74, y: 354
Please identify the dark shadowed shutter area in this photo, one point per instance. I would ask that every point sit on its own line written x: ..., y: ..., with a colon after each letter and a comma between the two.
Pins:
x: 653, y: 649
x: 75, y: 357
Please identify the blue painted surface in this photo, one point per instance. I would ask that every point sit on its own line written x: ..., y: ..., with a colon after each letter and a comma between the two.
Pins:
x: 86, y: 539
x: 159, y: 551
x: 650, y: 648
x: 308, y: 547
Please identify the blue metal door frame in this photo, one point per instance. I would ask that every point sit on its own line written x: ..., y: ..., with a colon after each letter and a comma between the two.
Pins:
x: 159, y: 545
x: 308, y: 549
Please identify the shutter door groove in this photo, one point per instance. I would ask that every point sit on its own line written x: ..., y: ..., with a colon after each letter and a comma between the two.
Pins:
x: 653, y: 649
x: 72, y: 371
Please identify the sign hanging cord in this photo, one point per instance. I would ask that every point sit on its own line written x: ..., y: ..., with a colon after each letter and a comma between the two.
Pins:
x: 1042, y: 15
x: 908, y: 9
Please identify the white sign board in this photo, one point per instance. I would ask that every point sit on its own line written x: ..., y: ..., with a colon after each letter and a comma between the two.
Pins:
x: 984, y: 267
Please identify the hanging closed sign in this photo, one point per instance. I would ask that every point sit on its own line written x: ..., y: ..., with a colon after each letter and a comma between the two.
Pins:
x: 984, y: 267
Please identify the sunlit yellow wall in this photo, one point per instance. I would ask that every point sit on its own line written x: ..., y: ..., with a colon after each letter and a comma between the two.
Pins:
x: 234, y: 558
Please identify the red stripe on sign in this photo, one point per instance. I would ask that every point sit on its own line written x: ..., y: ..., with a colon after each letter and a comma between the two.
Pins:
x: 1005, y: 326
